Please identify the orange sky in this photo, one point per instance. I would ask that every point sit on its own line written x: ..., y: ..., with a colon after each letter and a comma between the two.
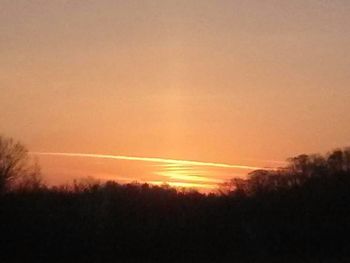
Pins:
x: 214, y: 81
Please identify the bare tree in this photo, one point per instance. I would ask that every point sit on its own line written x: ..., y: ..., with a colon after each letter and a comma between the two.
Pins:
x: 15, y: 163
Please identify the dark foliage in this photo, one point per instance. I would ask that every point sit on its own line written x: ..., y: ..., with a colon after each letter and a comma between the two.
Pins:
x: 300, y: 213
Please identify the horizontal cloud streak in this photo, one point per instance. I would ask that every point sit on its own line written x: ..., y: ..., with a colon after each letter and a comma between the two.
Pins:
x: 150, y: 159
x: 185, y: 184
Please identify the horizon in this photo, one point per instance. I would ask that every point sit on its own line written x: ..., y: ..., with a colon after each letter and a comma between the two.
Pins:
x: 199, y: 175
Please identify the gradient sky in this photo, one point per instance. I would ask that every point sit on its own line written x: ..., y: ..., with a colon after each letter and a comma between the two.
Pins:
x: 215, y: 81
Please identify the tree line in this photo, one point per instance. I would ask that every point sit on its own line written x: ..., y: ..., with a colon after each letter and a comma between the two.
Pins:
x: 298, y: 213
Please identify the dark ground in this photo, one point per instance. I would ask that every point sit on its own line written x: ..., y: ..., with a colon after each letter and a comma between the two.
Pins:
x: 299, y: 214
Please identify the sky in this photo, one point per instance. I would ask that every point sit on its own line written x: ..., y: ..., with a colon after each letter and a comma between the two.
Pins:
x: 233, y: 82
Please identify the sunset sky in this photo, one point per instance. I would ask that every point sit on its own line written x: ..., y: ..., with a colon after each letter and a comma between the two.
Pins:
x: 230, y: 82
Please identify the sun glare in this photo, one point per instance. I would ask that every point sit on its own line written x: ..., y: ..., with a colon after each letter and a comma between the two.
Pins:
x: 178, y: 173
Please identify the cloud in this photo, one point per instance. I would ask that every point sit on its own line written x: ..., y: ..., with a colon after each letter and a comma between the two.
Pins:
x: 150, y: 159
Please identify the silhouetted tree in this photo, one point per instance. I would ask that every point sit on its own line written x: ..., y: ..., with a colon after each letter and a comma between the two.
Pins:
x: 29, y: 180
x: 15, y: 164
